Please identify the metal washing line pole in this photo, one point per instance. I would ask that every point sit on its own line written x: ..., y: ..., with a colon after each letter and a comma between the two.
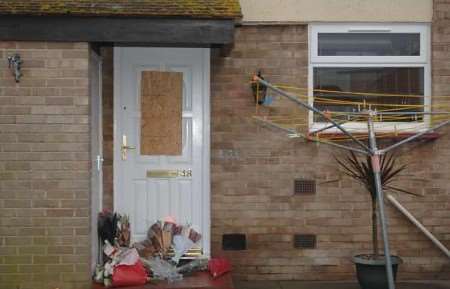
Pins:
x: 421, y: 227
x: 371, y: 151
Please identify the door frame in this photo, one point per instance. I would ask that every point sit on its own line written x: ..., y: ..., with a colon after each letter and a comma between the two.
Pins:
x: 206, y: 151
x: 96, y: 166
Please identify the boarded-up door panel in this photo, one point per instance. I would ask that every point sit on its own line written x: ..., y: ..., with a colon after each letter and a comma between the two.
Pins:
x: 161, y: 115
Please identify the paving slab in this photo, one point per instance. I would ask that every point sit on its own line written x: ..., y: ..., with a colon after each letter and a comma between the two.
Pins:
x: 334, y: 285
x: 256, y: 284
x: 314, y: 285
x: 195, y: 281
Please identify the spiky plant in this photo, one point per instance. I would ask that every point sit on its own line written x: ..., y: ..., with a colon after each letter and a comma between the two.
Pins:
x: 361, y: 171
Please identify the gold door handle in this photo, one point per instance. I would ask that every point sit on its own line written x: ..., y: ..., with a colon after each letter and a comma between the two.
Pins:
x: 128, y: 148
x: 124, y: 148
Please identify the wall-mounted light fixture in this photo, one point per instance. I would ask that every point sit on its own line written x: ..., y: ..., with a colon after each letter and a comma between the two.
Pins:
x: 259, y: 90
x: 15, y: 64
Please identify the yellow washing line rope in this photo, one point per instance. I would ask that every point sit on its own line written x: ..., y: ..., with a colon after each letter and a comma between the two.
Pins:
x: 357, y: 134
x: 359, y: 103
x: 357, y: 93
x: 362, y: 136
x: 354, y: 118
x: 369, y: 104
x: 388, y: 123
x: 295, y: 120
x: 324, y: 100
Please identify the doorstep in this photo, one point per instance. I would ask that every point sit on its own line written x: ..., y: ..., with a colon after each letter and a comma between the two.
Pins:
x: 198, y: 280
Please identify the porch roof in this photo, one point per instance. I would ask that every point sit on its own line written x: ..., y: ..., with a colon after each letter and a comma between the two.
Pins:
x: 180, y: 23
x: 223, y: 9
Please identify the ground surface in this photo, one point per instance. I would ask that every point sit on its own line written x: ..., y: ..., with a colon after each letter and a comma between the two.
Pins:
x: 333, y: 285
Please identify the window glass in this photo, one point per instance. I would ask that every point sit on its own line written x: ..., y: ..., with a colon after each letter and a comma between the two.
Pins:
x: 369, y: 44
x: 332, y: 83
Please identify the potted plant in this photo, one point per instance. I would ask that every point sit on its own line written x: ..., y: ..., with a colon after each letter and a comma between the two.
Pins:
x: 370, y: 268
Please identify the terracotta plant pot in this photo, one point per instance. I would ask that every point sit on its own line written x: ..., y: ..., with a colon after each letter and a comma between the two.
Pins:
x: 371, y: 272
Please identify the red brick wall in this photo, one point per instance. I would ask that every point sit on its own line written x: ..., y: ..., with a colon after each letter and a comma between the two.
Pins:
x: 44, y: 167
x: 253, y: 169
x: 441, y: 47
x: 108, y: 124
x: 44, y: 170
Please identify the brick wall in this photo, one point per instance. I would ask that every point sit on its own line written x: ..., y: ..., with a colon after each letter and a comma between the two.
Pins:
x: 253, y: 169
x: 44, y: 167
x: 108, y: 124
x: 441, y: 48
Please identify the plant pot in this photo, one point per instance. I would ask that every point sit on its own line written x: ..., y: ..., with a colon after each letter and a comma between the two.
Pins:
x: 371, y: 272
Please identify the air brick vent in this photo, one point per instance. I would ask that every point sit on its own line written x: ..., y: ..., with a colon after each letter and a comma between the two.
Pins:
x: 303, y: 241
x: 234, y: 242
x: 302, y: 187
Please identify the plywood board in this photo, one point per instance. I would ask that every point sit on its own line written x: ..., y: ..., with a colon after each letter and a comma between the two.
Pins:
x: 161, y: 113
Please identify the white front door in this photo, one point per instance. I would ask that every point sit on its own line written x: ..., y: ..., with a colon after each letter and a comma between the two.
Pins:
x: 147, y: 199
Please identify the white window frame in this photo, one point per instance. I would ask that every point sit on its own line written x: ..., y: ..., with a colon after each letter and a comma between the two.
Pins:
x: 423, y: 60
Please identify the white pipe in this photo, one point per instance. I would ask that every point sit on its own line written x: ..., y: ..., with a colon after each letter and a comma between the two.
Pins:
x: 418, y: 225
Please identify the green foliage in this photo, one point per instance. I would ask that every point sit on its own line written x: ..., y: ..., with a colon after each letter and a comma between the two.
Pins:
x: 362, y: 171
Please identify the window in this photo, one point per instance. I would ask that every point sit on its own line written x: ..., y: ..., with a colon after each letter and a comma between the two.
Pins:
x: 370, y: 66
x: 368, y: 44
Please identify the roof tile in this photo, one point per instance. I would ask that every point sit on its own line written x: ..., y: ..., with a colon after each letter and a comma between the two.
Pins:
x: 139, y: 8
